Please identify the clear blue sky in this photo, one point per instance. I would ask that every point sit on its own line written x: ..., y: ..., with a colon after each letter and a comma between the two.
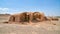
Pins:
x: 49, y: 7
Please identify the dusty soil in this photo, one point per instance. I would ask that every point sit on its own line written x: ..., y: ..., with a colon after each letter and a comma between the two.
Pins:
x: 45, y: 27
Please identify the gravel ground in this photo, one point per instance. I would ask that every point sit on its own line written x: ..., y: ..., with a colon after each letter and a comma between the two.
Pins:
x: 28, y: 29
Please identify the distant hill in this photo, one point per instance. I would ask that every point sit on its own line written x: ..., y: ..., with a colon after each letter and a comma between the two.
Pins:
x: 4, y: 14
x: 58, y: 16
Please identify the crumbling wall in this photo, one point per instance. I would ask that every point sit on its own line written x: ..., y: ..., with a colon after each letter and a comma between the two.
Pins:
x: 29, y: 17
x: 38, y: 16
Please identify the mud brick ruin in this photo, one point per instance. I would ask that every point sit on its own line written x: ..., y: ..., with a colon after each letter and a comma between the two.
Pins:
x: 29, y: 17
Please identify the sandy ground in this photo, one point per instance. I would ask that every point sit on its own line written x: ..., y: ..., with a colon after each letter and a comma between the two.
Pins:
x: 45, y: 27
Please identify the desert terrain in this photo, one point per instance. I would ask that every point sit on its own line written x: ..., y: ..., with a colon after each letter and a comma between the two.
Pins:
x: 45, y: 27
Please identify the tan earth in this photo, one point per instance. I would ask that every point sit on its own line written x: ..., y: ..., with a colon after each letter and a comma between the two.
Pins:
x: 45, y: 27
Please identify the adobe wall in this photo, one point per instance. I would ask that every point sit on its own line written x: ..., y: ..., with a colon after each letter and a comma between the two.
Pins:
x: 29, y: 17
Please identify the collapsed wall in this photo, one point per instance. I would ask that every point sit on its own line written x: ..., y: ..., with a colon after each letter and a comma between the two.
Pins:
x: 29, y: 17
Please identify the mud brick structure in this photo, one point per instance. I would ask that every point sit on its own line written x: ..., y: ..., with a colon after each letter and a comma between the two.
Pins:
x: 29, y: 17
